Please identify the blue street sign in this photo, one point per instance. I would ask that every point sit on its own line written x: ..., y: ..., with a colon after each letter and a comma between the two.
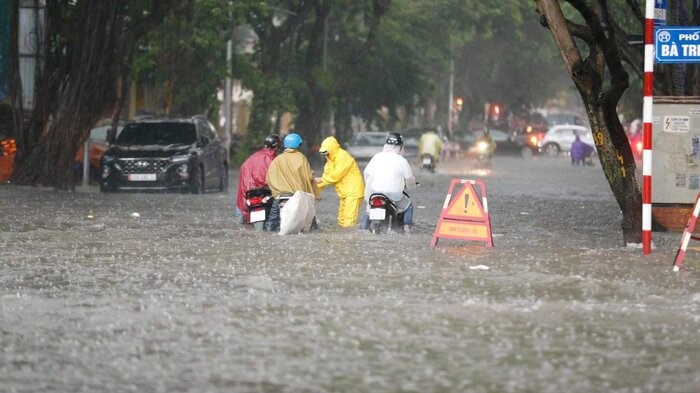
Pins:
x: 659, y: 12
x: 677, y: 44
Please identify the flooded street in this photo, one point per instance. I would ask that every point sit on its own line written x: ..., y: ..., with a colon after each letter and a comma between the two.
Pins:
x: 182, y: 298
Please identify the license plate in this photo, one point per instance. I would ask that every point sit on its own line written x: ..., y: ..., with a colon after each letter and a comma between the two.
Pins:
x: 377, y: 214
x: 257, y: 215
x: 142, y: 177
x: 426, y: 161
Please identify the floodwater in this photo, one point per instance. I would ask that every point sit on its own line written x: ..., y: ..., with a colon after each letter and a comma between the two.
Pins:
x: 184, y: 299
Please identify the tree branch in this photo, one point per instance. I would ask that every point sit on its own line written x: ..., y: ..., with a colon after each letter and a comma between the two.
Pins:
x: 636, y: 11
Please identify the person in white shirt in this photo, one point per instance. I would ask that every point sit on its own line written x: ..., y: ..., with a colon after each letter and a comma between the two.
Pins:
x: 389, y: 173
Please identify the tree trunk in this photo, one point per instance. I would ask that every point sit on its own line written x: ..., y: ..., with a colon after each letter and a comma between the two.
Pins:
x: 618, y: 164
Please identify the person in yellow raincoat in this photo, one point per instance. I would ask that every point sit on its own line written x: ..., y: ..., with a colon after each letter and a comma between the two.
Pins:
x: 289, y: 172
x: 342, y: 172
x: 430, y: 143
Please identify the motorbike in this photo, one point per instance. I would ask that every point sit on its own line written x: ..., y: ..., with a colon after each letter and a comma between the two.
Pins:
x: 484, y: 152
x: 259, y: 203
x: 428, y: 162
x: 383, y: 216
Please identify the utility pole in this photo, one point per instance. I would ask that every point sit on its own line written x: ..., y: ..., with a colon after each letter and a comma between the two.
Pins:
x: 227, y: 97
x: 451, y: 97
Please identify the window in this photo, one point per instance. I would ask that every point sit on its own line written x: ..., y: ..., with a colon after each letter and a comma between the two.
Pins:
x: 164, y: 133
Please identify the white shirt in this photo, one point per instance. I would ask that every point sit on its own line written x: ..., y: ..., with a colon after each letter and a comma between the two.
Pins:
x: 390, y: 174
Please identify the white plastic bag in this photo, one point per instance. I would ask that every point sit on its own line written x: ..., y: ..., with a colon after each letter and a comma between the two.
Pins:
x: 297, y: 214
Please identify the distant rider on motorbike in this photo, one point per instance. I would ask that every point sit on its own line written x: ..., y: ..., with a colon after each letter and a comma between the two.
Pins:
x: 430, y: 143
x: 490, y: 144
x: 389, y: 173
x: 254, y: 171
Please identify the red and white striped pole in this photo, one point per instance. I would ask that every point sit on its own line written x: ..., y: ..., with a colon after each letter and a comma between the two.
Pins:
x: 646, y: 116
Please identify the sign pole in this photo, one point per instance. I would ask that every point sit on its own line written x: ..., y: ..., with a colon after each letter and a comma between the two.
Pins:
x: 647, y: 118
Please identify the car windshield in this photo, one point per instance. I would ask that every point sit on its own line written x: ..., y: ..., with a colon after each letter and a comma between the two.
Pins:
x: 158, y: 134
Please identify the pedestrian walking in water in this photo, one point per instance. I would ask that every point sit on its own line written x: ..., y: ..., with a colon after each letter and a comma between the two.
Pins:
x: 342, y: 172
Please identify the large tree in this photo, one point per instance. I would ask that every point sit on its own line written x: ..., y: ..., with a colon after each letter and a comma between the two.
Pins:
x: 84, y: 48
x: 601, y: 79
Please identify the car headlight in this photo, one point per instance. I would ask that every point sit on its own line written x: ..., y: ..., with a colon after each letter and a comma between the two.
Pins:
x: 107, y: 159
x: 180, y: 158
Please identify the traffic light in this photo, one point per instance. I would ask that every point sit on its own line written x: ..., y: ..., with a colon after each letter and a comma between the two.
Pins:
x: 496, y: 110
x: 458, y: 104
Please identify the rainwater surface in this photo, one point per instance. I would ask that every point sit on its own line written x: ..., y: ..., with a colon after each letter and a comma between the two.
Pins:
x: 182, y: 298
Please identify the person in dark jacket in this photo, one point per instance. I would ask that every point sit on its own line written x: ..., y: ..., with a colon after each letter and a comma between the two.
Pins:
x: 254, y: 172
x: 580, y: 151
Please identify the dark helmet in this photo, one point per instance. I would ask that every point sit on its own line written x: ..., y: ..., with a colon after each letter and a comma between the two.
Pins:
x: 394, y: 138
x: 272, y: 141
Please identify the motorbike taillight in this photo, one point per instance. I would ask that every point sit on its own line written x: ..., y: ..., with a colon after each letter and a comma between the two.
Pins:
x: 377, y: 202
x: 255, y: 200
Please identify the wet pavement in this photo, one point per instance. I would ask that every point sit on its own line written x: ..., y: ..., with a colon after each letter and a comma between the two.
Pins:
x: 179, y: 297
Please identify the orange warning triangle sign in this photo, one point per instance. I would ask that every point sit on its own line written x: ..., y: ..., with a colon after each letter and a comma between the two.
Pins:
x: 465, y: 205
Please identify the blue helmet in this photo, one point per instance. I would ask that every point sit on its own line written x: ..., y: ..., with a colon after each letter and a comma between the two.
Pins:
x: 292, y: 141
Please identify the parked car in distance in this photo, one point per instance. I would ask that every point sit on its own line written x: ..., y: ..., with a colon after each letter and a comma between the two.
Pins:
x: 97, y: 145
x: 8, y: 149
x: 184, y: 154
x: 559, y: 139
x: 364, y: 145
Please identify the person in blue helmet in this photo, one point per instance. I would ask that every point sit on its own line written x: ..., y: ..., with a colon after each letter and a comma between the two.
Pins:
x: 289, y: 172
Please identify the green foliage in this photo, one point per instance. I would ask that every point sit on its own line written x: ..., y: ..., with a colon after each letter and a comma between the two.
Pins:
x: 188, y: 53
x: 515, y: 63
x: 405, y: 64
x: 493, y: 44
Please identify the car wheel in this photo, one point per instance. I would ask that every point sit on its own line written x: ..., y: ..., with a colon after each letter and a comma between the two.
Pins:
x: 197, y: 182
x: 526, y: 152
x: 104, y: 189
x: 551, y: 150
x: 223, y: 178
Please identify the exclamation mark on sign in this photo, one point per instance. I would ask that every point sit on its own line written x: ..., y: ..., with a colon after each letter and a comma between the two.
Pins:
x: 466, y: 202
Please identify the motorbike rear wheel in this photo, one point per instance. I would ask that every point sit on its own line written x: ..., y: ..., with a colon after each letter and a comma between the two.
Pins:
x: 259, y: 226
x: 375, y: 227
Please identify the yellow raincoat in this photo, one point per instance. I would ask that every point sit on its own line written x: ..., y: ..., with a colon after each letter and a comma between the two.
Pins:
x: 290, y: 172
x: 342, y: 172
x: 431, y: 144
